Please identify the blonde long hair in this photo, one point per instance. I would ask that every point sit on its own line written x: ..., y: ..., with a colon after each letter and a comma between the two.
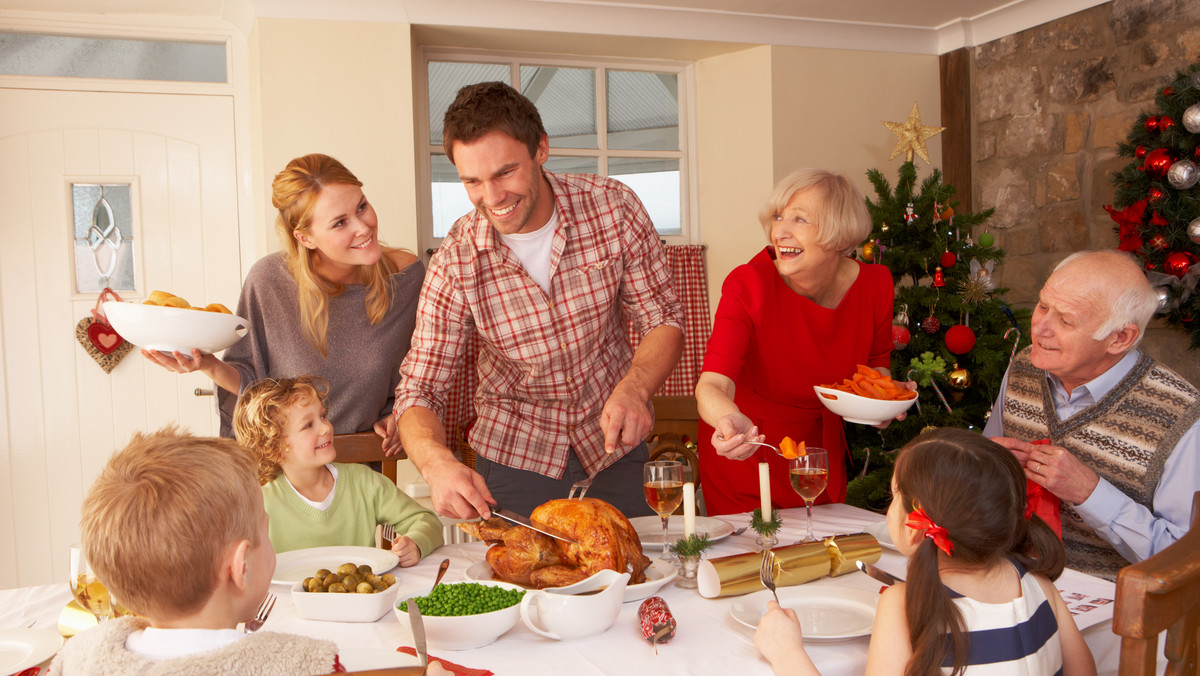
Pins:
x: 294, y: 193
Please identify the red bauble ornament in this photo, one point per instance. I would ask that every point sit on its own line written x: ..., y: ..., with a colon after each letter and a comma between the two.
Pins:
x: 1178, y: 262
x: 949, y: 259
x: 939, y: 278
x: 1164, y: 124
x: 960, y: 339
x: 1196, y: 153
x: 1168, y: 91
x: 1152, y: 124
x: 900, y: 337
x: 1158, y: 161
x: 931, y: 324
x: 1158, y: 242
x: 1140, y: 152
x: 1154, y: 194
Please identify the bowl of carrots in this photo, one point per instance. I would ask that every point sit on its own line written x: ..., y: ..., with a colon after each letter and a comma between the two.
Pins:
x: 867, y: 398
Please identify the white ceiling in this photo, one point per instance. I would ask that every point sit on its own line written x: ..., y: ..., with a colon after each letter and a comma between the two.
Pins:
x: 910, y: 26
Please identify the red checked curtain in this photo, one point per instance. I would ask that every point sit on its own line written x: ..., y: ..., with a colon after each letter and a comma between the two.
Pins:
x: 691, y: 283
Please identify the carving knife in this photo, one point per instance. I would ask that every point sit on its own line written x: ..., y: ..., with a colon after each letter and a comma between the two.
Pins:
x: 513, y: 517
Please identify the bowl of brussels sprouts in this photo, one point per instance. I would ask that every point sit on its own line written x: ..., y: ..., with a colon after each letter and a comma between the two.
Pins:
x: 348, y: 593
x: 465, y: 615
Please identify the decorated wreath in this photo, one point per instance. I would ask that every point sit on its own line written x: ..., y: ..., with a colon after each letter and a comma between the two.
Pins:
x: 1157, y: 211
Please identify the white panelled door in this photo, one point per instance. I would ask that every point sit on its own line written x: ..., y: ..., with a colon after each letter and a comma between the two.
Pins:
x: 61, y: 416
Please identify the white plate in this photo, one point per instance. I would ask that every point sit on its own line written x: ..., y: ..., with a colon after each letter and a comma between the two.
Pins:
x: 649, y: 529
x: 292, y: 567
x: 826, y: 613
x: 879, y: 531
x: 24, y: 648
x: 658, y: 575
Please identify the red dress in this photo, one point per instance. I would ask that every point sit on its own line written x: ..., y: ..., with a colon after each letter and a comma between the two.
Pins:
x: 775, y: 345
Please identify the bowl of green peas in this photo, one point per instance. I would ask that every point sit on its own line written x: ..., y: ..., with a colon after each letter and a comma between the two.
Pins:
x: 465, y: 615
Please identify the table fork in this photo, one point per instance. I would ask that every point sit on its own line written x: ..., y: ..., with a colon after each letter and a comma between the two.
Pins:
x: 387, y: 535
x: 264, y: 611
x: 766, y: 572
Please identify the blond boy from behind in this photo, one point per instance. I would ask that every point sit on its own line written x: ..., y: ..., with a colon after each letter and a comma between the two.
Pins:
x: 175, y: 527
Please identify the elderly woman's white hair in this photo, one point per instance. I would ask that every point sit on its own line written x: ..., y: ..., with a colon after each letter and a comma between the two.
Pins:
x: 1129, y: 297
x: 842, y: 217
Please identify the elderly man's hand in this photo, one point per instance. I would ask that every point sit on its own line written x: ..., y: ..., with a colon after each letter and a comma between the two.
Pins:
x: 1061, y: 473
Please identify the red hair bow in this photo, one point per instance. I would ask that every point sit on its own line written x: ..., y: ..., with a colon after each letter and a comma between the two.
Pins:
x: 919, y: 520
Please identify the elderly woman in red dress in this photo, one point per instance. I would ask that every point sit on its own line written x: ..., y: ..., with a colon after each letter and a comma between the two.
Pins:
x: 800, y: 313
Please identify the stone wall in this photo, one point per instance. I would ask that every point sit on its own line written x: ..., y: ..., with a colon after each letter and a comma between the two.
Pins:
x: 1050, y: 105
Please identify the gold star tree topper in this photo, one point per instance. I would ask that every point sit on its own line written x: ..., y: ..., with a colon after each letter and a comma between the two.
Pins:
x: 912, y: 135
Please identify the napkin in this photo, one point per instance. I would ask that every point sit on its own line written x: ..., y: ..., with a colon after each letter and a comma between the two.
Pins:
x: 449, y: 666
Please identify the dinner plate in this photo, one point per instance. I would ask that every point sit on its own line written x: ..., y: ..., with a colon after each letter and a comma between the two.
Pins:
x: 649, y: 529
x: 24, y: 648
x: 826, y: 613
x: 658, y: 575
x: 879, y: 531
x: 292, y: 567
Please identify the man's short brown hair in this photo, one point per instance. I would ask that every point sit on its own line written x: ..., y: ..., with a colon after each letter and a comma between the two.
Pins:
x: 162, y: 515
x: 491, y: 106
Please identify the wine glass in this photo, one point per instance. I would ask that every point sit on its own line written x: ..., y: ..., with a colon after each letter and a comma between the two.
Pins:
x: 88, y: 591
x: 809, y: 473
x: 662, y: 481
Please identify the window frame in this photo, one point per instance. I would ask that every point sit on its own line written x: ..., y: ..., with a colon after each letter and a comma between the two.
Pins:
x: 686, y: 154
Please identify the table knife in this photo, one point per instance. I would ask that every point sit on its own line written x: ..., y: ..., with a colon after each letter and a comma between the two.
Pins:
x: 513, y: 517
x: 878, y: 574
x: 418, y: 632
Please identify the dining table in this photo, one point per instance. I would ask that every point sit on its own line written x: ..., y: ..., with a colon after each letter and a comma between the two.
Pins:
x: 708, y: 639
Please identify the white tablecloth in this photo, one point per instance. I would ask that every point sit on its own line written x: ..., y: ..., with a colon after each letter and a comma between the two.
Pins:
x: 708, y: 639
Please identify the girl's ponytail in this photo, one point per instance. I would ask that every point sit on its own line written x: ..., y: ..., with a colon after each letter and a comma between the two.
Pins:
x: 1040, y: 551
x: 931, y: 613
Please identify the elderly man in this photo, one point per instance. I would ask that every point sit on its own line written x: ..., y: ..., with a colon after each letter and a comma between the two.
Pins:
x: 1124, y: 442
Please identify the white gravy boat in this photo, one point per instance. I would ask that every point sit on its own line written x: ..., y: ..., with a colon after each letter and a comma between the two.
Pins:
x: 587, y: 607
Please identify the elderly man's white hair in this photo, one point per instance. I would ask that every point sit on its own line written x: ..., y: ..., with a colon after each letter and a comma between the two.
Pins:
x: 1129, y: 297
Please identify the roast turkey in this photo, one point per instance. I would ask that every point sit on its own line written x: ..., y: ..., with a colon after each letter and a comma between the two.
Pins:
x: 526, y: 557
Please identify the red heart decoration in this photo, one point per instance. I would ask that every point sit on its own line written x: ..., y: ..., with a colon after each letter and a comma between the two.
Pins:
x: 104, y: 337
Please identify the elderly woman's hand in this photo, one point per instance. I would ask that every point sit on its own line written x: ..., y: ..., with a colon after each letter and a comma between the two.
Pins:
x: 731, y: 434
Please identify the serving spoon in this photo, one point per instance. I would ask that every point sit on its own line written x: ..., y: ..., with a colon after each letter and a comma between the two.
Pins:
x: 441, y: 572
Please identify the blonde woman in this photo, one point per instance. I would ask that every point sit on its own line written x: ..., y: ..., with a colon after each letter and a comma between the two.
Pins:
x: 333, y: 303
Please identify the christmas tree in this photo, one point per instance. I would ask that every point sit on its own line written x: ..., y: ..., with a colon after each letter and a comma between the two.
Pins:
x: 1158, y: 214
x: 952, y: 332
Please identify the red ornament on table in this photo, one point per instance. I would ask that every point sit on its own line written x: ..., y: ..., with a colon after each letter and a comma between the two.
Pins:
x: 939, y: 278
x: 900, y: 336
x: 1140, y: 152
x: 949, y: 259
x: 1154, y: 194
x: 1165, y: 124
x: 1178, y: 262
x: 1158, y: 161
x: 1151, y: 124
x: 931, y: 324
x: 960, y: 339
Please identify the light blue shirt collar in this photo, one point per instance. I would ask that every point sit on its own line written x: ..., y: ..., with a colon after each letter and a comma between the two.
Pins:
x: 1092, y: 391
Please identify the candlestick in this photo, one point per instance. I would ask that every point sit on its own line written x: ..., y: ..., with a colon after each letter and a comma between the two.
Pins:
x: 689, y: 509
x: 764, y: 489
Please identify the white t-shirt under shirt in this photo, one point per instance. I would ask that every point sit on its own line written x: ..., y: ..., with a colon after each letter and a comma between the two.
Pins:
x: 534, y: 249
x: 324, y: 504
x: 163, y: 644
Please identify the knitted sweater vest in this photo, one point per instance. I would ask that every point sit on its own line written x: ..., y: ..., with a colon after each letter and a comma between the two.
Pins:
x: 1125, y: 438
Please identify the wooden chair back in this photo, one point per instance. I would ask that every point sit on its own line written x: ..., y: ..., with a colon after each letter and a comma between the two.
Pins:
x: 1160, y: 594
x: 676, y: 427
x: 365, y: 447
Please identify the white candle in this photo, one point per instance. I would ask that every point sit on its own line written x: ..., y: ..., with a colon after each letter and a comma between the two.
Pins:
x: 764, y: 489
x: 689, y: 509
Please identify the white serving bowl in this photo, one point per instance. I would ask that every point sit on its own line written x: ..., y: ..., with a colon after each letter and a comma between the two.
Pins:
x: 343, y: 607
x: 464, y: 632
x: 862, y: 410
x: 158, y: 327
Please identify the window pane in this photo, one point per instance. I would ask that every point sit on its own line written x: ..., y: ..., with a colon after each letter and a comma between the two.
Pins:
x: 643, y: 110
x: 120, y: 59
x: 656, y: 183
x: 572, y: 165
x: 446, y: 78
x: 103, y: 234
x: 566, y: 100
x: 450, y: 201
